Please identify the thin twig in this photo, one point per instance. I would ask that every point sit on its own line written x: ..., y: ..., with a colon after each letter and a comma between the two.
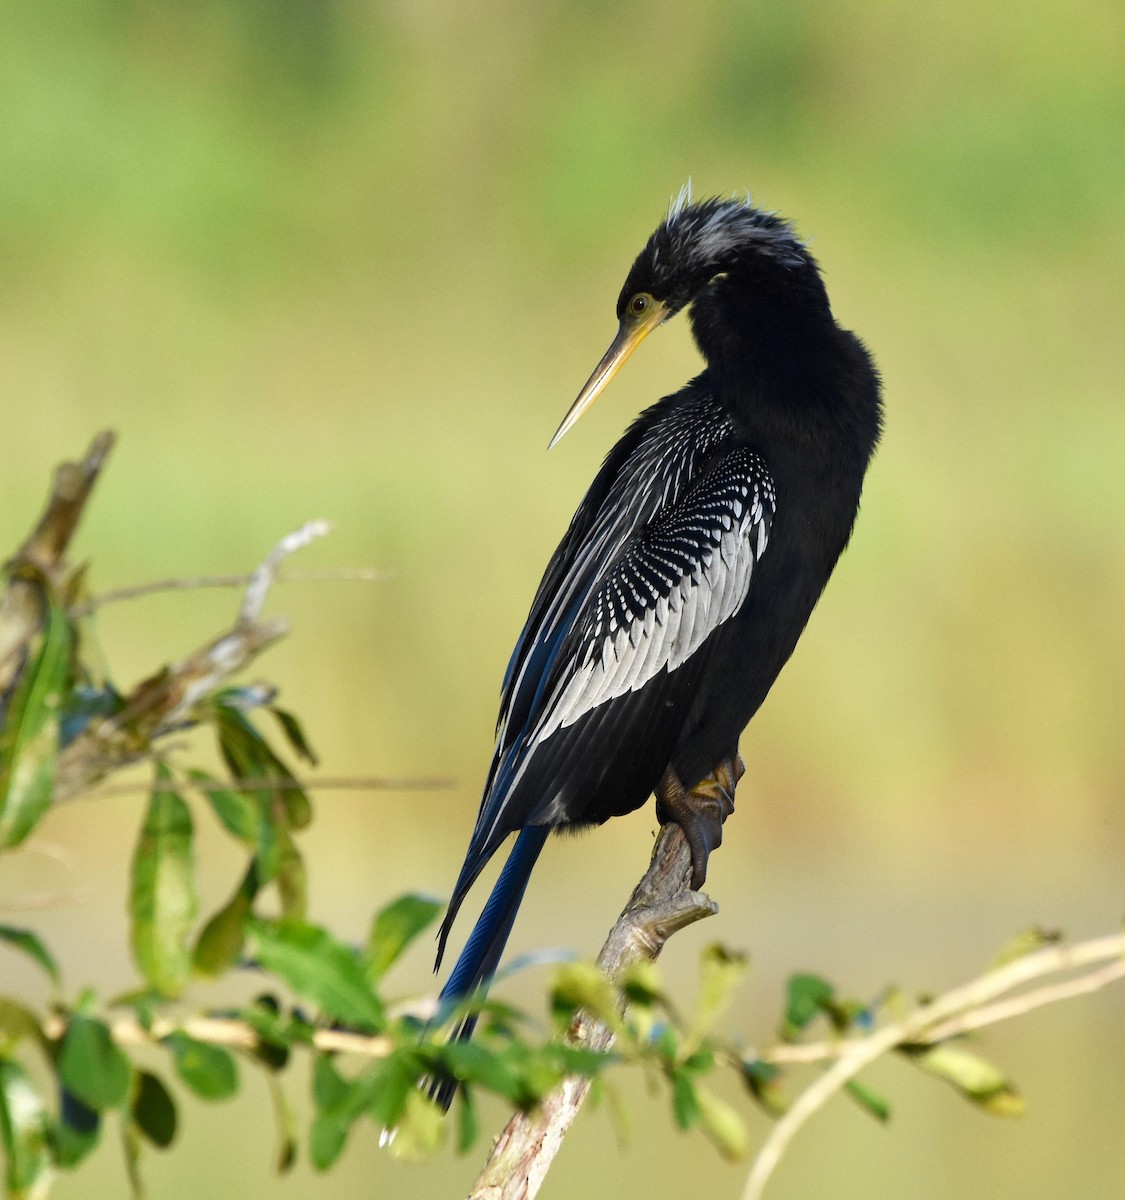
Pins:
x: 661, y: 904
x: 1017, y: 1006
x: 264, y: 575
x: 225, y: 1031
x: 154, y: 586
x: 974, y: 996
x: 359, y: 784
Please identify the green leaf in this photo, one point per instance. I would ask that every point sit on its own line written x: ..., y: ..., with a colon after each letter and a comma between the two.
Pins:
x: 164, y: 903
x: 131, y: 1146
x: 275, y: 1033
x: 210, y: 1071
x: 869, y: 1100
x: 976, y: 1078
x: 286, y: 1126
x: 327, y: 1138
x: 239, y: 814
x: 29, y: 737
x: 78, y: 1131
x: 721, y: 971
x: 394, y: 928
x: 685, y: 1098
x: 24, y: 1133
x: 292, y: 880
x: 29, y: 943
x: 1026, y: 942
x: 220, y: 942
x: 330, y: 1088
x: 154, y: 1111
x: 91, y: 1066
x: 295, y: 734
x: 807, y: 995
x: 763, y: 1081
x: 321, y: 969
x: 336, y: 1111
x: 640, y: 984
x: 248, y: 756
x: 481, y: 1066
x: 419, y: 1130
x: 387, y: 1087
x: 722, y: 1125
x: 18, y: 1022
x: 583, y: 986
x: 468, y: 1127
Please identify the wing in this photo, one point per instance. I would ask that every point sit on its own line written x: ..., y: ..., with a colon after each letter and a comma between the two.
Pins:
x: 644, y: 473
x: 675, y: 584
x: 659, y: 556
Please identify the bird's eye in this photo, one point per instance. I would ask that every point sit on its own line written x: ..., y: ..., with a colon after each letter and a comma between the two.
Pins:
x: 639, y: 303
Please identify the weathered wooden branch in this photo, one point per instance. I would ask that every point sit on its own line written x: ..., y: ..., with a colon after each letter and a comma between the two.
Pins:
x: 41, y: 559
x: 661, y: 904
x: 38, y: 574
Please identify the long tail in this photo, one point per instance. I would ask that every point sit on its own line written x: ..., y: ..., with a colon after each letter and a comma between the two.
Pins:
x: 481, y: 955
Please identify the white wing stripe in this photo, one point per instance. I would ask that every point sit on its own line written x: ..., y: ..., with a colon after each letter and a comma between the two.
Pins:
x: 706, y: 590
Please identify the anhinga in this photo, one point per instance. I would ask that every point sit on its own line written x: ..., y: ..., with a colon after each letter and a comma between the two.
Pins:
x: 692, y: 565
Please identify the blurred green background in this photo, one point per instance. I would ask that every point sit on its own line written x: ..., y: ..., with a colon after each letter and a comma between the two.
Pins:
x: 353, y: 260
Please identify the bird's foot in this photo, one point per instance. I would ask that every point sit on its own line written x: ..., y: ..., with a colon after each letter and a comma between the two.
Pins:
x: 700, y: 812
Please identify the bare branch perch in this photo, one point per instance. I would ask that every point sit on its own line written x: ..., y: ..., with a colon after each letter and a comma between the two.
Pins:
x: 661, y: 904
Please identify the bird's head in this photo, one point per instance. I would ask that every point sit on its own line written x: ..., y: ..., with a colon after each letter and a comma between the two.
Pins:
x: 694, y: 244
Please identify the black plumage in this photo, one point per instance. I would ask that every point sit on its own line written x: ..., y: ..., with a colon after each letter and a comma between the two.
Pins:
x: 693, y: 563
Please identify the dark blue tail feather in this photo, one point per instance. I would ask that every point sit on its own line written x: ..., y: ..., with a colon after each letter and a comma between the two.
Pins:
x: 481, y: 956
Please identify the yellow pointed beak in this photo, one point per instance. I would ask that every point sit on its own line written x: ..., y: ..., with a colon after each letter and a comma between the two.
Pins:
x: 630, y: 334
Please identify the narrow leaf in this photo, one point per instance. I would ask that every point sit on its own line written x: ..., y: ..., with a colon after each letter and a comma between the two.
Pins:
x: 975, y: 1077
x: 30, y: 944
x: 871, y: 1101
x: 164, y: 903
x: 722, y: 1125
x: 29, y: 737
x: 24, y: 1133
x: 131, y: 1147
x: 394, y: 928
x: 210, y: 1071
x: 286, y: 1126
x: 91, y: 1066
x: 219, y: 945
x: 154, y: 1110
x: 685, y: 1099
x: 320, y: 968
x: 721, y: 970
x: 295, y: 734
x: 291, y: 878
x: 468, y: 1127
x: 239, y: 814
x: 1026, y: 942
